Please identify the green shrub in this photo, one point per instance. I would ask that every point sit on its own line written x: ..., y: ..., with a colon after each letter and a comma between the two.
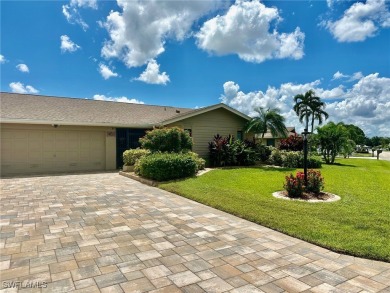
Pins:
x: 276, y: 157
x: 313, y: 162
x: 290, y: 159
x: 172, y: 140
x: 294, y: 185
x: 227, y: 151
x: 263, y: 152
x: 200, y: 163
x: 315, y: 182
x: 131, y: 156
x: 166, y: 166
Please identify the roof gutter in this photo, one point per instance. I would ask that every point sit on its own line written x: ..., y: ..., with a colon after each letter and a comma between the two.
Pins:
x: 53, y: 122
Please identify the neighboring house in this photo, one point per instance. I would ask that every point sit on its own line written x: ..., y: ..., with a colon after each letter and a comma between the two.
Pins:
x: 41, y: 134
x: 274, y: 141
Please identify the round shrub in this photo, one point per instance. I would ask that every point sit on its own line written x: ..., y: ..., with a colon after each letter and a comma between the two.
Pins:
x: 276, y: 158
x: 131, y: 156
x: 291, y: 159
x: 200, y: 163
x: 313, y: 162
x: 263, y: 152
x: 171, y: 140
x: 166, y: 166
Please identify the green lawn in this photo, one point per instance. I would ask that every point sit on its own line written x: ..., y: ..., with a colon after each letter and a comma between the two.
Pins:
x: 358, y: 224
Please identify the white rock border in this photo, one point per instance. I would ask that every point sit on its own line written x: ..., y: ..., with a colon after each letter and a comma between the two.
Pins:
x: 334, y: 197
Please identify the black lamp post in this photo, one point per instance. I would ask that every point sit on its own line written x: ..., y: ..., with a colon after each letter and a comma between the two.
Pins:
x: 305, y: 134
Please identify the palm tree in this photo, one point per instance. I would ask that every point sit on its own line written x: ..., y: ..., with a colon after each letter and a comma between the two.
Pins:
x: 269, y: 119
x: 309, y: 106
x: 317, y: 114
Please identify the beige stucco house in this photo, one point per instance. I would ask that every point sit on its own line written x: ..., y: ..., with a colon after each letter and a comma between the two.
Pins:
x: 42, y: 134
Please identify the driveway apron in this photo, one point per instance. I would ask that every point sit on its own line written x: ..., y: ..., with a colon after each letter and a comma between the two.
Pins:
x: 107, y: 233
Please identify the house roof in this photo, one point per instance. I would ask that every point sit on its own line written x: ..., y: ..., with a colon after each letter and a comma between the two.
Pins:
x: 195, y: 112
x: 36, y: 109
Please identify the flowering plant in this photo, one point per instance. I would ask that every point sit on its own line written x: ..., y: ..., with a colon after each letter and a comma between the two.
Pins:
x: 295, y: 185
x: 315, y: 182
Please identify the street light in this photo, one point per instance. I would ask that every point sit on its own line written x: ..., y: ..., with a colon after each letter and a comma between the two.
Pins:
x: 305, y: 134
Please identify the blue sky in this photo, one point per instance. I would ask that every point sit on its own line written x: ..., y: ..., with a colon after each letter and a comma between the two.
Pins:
x: 246, y: 54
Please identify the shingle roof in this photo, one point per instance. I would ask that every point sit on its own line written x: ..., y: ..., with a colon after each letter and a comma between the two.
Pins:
x: 45, y: 109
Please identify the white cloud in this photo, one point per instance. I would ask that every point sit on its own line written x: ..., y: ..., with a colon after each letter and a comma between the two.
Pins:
x: 18, y: 87
x: 152, y: 74
x: 246, y: 30
x: 72, y: 14
x: 67, y: 45
x: 23, y: 68
x: 106, y: 72
x: 117, y: 99
x: 2, y: 59
x: 360, y: 21
x: 356, y: 76
x: 339, y: 75
x: 138, y: 33
x: 365, y: 104
x: 84, y: 3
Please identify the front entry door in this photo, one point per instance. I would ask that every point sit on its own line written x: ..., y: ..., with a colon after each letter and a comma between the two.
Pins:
x: 127, y: 138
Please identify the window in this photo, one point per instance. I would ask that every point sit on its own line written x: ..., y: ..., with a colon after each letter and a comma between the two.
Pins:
x: 271, y: 142
x: 239, y: 135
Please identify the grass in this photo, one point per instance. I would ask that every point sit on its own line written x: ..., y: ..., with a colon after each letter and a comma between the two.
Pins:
x: 366, y: 155
x: 358, y: 224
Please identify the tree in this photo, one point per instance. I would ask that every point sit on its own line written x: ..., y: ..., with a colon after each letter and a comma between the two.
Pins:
x: 356, y: 134
x: 309, y: 106
x: 318, y: 113
x: 332, y: 139
x: 348, y: 148
x: 269, y: 119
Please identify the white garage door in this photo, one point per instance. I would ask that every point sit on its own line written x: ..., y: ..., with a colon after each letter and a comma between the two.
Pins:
x: 51, y: 151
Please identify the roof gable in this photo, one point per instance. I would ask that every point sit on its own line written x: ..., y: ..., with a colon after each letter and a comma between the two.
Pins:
x: 196, y: 112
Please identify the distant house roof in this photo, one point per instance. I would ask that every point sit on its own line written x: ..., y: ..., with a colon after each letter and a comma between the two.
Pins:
x: 291, y: 131
x: 36, y: 109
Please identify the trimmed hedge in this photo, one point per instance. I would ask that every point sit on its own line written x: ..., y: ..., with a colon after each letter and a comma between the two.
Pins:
x: 291, y: 159
x: 166, y: 166
x: 131, y: 156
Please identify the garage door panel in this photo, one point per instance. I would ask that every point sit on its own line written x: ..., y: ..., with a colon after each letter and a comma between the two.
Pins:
x: 35, y: 157
x: 73, y: 157
x: 48, y: 151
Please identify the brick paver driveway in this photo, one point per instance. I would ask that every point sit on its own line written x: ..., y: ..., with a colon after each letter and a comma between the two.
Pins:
x: 108, y: 233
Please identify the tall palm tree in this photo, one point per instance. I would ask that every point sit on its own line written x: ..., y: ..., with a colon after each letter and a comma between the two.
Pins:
x: 309, y: 106
x: 317, y: 114
x: 269, y: 119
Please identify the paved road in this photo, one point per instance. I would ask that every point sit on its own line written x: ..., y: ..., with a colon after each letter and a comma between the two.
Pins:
x: 385, y: 155
x: 108, y: 233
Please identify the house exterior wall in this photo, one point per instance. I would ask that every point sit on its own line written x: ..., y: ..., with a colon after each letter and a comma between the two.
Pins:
x: 205, y: 126
x: 34, y: 149
x: 265, y: 141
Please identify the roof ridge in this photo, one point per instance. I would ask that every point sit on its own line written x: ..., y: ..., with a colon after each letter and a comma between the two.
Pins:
x: 93, y: 100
